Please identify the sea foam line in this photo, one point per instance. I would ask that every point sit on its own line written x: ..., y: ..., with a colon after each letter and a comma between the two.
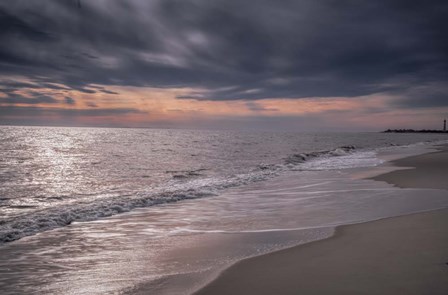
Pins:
x: 173, y: 191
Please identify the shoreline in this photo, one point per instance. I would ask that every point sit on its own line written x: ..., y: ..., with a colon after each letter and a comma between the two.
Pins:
x: 422, y: 171
x: 357, y: 259
x: 321, y: 267
x: 87, y: 214
x: 200, y: 240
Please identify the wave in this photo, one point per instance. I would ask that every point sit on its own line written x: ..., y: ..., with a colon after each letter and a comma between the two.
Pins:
x: 36, y: 222
x: 173, y: 191
x: 300, y: 158
x: 184, y: 185
x: 180, y: 174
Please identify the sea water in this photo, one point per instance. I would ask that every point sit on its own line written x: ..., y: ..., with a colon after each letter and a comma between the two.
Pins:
x: 169, y: 209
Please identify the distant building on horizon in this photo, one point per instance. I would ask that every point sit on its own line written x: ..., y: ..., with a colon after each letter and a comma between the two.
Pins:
x: 444, y: 125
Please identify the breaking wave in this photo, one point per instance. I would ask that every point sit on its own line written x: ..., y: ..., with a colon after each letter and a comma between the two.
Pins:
x: 296, y: 159
x: 184, y: 185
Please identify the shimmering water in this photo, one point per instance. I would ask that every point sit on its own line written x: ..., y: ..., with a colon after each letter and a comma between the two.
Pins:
x: 211, y: 198
x: 178, y: 247
x: 50, y: 177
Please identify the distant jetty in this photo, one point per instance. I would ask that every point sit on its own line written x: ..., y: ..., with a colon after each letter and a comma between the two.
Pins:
x: 418, y: 131
x: 414, y: 131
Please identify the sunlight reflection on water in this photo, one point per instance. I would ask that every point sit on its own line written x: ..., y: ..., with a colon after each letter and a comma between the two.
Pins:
x: 157, y: 248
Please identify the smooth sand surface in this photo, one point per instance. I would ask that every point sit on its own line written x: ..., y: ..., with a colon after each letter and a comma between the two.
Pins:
x: 428, y: 171
x: 400, y: 255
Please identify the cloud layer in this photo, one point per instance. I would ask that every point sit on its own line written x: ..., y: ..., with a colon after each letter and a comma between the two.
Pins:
x: 228, y: 50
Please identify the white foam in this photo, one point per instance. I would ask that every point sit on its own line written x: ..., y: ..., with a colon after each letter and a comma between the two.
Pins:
x: 343, y: 160
x: 192, y: 188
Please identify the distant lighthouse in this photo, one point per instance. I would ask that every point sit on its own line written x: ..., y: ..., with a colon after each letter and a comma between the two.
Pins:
x: 444, y: 125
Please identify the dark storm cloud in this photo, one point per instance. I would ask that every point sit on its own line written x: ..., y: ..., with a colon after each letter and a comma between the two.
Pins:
x: 9, y: 86
x: 13, y: 111
x: 32, y: 115
x: 34, y: 98
x: 109, y: 92
x: 424, y: 96
x: 256, y: 107
x: 69, y: 100
x: 234, y: 49
x: 91, y: 105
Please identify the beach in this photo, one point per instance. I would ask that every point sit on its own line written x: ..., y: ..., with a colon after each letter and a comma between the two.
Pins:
x: 399, y: 255
x: 425, y: 171
x: 223, y: 147
x: 174, y: 220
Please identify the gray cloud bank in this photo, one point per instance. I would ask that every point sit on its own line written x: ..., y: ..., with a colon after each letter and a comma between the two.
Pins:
x: 234, y: 49
x: 32, y: 115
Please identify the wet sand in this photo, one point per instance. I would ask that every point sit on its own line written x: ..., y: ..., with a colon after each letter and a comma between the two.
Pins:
x: 426, y: 171
x: 400, y: 255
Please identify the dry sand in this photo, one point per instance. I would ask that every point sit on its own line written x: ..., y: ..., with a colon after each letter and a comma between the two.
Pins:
x: 400, y: 255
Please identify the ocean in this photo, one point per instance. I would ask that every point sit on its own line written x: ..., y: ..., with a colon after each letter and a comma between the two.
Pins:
x: 118, y: 211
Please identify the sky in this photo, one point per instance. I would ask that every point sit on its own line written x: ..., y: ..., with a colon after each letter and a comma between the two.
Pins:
x: 306, y: 65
